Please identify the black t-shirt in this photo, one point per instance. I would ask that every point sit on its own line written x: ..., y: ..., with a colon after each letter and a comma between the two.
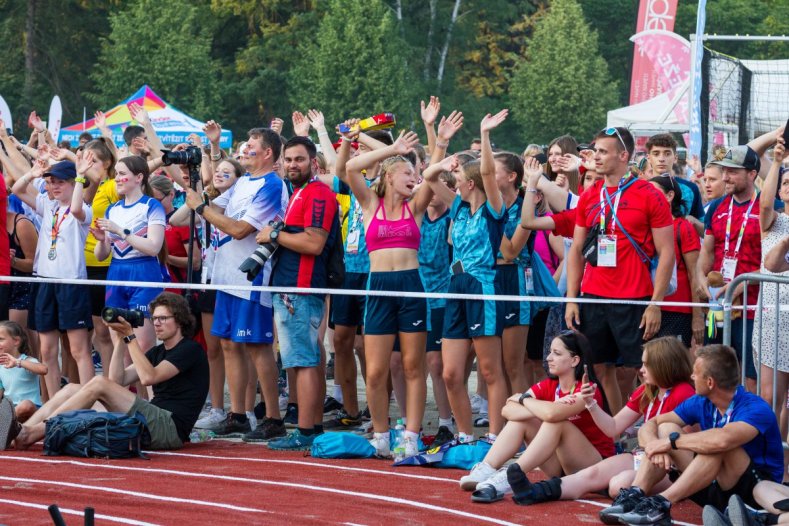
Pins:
x: 184, y: 394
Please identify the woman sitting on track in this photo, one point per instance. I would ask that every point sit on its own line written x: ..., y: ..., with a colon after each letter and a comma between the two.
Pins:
x: 552, y: 419
x: 666, y: 374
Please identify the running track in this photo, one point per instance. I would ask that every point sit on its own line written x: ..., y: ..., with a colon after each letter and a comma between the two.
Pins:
x: 224, y: 482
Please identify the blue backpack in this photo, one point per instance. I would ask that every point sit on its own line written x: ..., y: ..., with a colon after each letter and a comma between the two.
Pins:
x: 88, y: 433
x: 341, y: 445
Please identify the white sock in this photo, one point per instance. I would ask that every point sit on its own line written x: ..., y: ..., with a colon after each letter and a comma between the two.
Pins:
x: 483, y: 407
x: 410, y: 434
x: 492, y: 436
x: 446, y: 422
x: 337, y: 393
x: 463, y: 438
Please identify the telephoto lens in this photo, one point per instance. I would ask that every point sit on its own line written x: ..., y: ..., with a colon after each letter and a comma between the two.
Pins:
x: 134, y: 317
x: 191, y: 156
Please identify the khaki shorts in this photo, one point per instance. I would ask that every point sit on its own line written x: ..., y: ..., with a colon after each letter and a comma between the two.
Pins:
x: 164, y: 435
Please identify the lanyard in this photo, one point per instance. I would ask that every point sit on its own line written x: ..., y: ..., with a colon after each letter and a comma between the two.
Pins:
x: 742, y: 228
x: 604, y: 197
x: 660, y: 407
x: 56, y: 224
x: 571, y: 391
x: 725, y: 419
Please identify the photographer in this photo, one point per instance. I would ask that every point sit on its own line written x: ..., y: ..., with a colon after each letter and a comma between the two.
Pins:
x: 311, y: 229
x: 177, y: 370
x: 244, y: 319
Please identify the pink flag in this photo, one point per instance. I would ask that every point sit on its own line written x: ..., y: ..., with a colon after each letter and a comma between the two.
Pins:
x: 652, y: 15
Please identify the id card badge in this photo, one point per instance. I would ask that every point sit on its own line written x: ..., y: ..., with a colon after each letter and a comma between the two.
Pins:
x: 352, y: 242
x: 606, y: 251
x: 728, y: 268
x: 529, y: 280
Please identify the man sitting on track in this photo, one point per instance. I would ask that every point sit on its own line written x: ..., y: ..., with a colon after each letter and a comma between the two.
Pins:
x: 177, y: 370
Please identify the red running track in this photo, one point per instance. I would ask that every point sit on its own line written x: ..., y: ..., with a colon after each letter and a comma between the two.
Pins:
x: 223, y: 482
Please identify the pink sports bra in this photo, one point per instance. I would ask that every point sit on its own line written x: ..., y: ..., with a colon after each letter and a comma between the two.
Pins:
x: 399, y: 233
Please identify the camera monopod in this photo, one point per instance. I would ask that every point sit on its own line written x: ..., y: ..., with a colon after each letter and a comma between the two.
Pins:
x: 57, y: 518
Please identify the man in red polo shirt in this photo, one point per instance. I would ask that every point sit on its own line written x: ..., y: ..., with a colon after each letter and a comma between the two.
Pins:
x: 311, y: 229
x: 633, y: 213
x: 733, y: 244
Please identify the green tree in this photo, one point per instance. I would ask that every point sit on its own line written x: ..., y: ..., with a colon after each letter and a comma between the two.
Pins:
x: 562, y: 85
x: 356, y: 66
x: 166, y: 45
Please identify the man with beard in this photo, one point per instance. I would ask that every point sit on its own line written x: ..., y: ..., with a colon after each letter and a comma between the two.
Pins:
x: 311, y: 229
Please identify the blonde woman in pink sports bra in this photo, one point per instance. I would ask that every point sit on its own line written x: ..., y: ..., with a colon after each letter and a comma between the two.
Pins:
x: 392, y: 211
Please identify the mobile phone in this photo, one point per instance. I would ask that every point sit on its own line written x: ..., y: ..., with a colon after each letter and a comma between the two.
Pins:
x: 457, y: 268
x: 786, y: 133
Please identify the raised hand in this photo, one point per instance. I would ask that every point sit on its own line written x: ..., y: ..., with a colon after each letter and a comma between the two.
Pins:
x: 695, y: 164
x: 405, y: 143
x: 352, y: 132
x: 86, y: 162
x: 316, y: 120
x: 141, y: 144
x: 98, y: 233
x: 3, y: 131
x: 301, y: 126
x: 449, y: 126
x: 43, y: 152
x: 194, y: 139
x: 100, y: 119
x: 491, y: 121
x: 35, y: 122
x: 532, y: 169
x: 276, y: 125
x: 429, y: 111
x: 562, y: 182
x: 448, y: 164
x: 213, y: 131
x: 38, y: 168
x: 779, y: 152
x: 139, y: 114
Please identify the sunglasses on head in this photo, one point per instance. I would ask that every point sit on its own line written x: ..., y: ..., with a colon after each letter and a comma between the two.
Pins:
x: 613, y: 131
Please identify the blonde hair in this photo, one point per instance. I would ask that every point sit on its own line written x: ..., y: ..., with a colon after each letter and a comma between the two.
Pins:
x: 387, y: 165
x: 472, y: 172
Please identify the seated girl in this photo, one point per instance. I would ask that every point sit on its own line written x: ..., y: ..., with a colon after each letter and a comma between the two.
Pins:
x: 20, y: 372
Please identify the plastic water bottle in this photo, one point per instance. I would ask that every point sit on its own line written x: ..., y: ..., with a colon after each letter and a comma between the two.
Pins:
x: 201, y: 435
x: 398, y: 447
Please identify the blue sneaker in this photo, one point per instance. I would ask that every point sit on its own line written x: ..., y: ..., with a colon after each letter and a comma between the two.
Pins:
x: 295, y: 441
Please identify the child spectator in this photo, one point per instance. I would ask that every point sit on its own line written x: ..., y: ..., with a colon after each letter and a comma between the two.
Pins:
x: 19, y: 376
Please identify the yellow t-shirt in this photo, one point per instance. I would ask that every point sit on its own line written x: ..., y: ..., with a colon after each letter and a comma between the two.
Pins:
x: 105, y: 196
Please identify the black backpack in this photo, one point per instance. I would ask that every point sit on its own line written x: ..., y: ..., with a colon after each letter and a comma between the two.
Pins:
x: 88, y: 433
x: 335, y: 263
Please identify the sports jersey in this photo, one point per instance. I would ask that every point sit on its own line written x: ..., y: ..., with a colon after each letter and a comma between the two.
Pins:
x: 137, y: 217
x: 68, y: 258
x: 685, y: 240
x: 106, y: 195
x: 434, y: 255
x: 673, y: 397
x: 548, y: 390
x: 764, y: 449
x: 476, y: 238
x: 749, y: 258
x: 20, y: 384
x: 356, y: 257
x: 256, y: 201
x: 641, y: 208
x: 513, y: 215
x: 312, y: 206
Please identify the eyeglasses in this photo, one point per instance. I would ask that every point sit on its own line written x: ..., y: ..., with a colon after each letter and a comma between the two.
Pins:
x: 611, y: 131
x: 160, y: 319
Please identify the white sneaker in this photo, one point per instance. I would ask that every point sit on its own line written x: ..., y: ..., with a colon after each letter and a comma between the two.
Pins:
x: 498, y: 481
x: 479, y: 473
x: 476, y: 403
x: 380, y: 442
x: 411, y: 447
x: 212, y: 419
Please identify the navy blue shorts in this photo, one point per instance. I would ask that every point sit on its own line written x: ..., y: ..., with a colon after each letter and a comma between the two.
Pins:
x: 349, y: 310
x: 464, y: 319
x: 436, y: 329
x: 62, y: 307
x: 242, y: 321
x: 131, y: 270
x: 98, y: 293
x: 513, y: 283
x: 390, y: 315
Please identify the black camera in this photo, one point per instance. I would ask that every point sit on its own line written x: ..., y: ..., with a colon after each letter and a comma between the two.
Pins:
x: 134, y: 317
x: 258, y: 258
x: 191, y: 156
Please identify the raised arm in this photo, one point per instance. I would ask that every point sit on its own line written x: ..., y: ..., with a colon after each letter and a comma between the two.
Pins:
x: 41, y: 130
x: 532, y: 171
x: 429, y: 114
x: 431, y: 175
x: 767, y: 212
x: 140, y: 115
x: 22, y: 188
x: 77, y: 198
x: 760, y: 145
x: 487, y: 165
x: 213, y: 131
x: 447, y: 128
x: 101, y: 124
x: 318, y: 123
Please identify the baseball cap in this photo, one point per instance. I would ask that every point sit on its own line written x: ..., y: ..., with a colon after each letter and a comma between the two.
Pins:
x: 64, y: 170
x: 740, y: 157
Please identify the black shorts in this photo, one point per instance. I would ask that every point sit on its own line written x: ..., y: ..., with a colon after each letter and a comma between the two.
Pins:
x: 31, y: 312
x: 719, y: 498
x: 677, y: 324
x: 535, y: 342
x: 206, y: 301
x: 5, y: 294
x: 97, y: 292
x: 349, y: 310
x: 20, y: 295
x: 613, y: 332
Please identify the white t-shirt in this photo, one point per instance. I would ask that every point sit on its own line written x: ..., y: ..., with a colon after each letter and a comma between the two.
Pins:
x: 256, y: 201
x: 137, y: 217
x: 69, y: 253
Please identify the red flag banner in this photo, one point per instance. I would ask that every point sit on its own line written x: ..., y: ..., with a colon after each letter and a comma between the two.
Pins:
x: 652, y: 15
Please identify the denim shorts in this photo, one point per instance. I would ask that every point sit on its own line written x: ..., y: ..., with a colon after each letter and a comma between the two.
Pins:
x: 298, y: 317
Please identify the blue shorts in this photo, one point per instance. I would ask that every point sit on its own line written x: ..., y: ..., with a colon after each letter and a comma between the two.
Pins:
x: 464, y: 319
x: 436, y: 329
x: 349, y: 310
x: 62, y: 307
x: 298, y: 331
x: 513, y: 283
x: 390, y: 315
x: 242, y: 321
x: 131, y: 270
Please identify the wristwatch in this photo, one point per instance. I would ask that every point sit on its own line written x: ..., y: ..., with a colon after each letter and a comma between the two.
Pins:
x: 129, y: 338
x: 523, y: 397
x: 673, y: 439
x: 126, y: 233
x: 274, y: 235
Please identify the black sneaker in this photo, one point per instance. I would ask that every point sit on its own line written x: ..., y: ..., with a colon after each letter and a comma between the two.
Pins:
x: 260, y: 410
x: 625, y: 502
x: 291, y: 418
x: 268, y: 429
x: 650, y: 510
x: 331, y: 404
x: 343, y: 421
x: 232, y: 427
x: 740, y: 514
x: 365, y: 414
x: 443, y: 436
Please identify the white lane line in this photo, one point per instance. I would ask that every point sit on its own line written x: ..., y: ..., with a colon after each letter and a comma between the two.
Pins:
x: 134, y: 494
x: 322, y: 489
x: 303, y: 463
x: 68, y: 511
x: 603, y: 505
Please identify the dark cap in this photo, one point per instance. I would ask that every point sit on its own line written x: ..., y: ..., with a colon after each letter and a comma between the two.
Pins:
x: 740, y: 157
x: 64, y: 170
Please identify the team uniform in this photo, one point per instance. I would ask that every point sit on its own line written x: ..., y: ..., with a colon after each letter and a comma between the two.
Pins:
x: 677, y: 321
x: 434, y: 255
x: 511, y: 275
x: 671, y: 399
x: 129, y: 264
x: 106, y: 195
x: 475, y: 239
x: 246, y: 316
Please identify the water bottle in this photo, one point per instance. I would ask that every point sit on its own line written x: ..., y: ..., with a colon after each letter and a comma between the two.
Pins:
x: 201, y: 435
x: 398, y: 447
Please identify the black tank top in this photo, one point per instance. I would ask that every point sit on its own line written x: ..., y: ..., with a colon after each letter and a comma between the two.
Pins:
x: 16, y: 245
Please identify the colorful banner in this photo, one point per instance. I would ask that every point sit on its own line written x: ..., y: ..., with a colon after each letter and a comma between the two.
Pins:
x: 695, y: 114
x: 652, y: 15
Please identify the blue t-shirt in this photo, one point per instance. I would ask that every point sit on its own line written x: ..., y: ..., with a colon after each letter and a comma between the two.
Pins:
x: 476, y: 238
x: 513, y: 214
x: 20, y: 384
x: 766, y: 448
x: 434, y: 256
x: 356, y: 257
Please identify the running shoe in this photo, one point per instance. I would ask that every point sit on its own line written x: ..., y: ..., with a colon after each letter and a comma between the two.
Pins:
x: 482, y: 420
x: 493, y: 489
x: 232, y: 427
x: 443, y: 436
x: 343, y: 421
x: 260, y: 410
x: 380, y: 442
x: 213, y: 419
x: 294, y: 441
x: 331, y: 405
x: 476, y: 403
x: 366, y: 414
x: 711, y: 516
x: 654, y: 510
x: 291, y: 417
x: 742, y: 515
x: 479, y: 473
x: 9, y: 426
x: 411, y: 447
x: 625, y: 502
x: 268, y: 429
